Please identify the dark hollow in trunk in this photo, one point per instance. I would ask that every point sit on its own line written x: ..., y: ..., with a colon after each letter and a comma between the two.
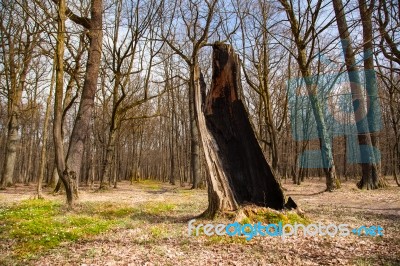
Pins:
x: 249, y: 175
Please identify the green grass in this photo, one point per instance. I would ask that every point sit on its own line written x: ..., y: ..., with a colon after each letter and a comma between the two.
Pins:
x: 363, y: 262
x: 186, y: 192
x: 155, y: 208
x: 158, y: 232
x: 150, y: 184
x: 374, y: 261
x: 34, y: 226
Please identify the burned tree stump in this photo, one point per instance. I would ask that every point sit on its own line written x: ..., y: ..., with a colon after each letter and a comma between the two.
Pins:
x: 239, y: 172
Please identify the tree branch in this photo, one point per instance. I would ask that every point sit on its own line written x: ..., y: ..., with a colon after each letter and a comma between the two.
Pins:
x: 83, y: 21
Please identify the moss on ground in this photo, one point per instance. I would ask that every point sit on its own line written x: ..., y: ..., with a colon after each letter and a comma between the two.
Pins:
x: 254, y: 214
x: 34, y: 226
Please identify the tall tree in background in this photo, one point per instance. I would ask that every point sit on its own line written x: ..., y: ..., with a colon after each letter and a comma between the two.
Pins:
x: 305, y: 40
x: 58, y: 101
x: 19, y: 38
x: 374, y: 124
x: 43, y: 151
x: 198, y: 18
x: 124, y: 50
x: 388, y: 19
x: 260, y: 66
x: 370, y: 174
x: 72, y: 89
x: 69, y: 168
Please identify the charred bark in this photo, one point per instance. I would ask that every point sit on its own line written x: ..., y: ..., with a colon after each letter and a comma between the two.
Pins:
x: 239, y: 172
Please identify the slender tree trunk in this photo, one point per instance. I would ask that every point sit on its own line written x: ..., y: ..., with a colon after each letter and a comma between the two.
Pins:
x: 264, y: 81
x: 270, y: 127
x: 106, y: 172
x: 171, y: 136
x: 332, y: 182
x: 28, y: 162
x: 194, y: 131
x: 117, y: 160
x: 42, y: 163
x: 394, y: 123
x: 58, y: 103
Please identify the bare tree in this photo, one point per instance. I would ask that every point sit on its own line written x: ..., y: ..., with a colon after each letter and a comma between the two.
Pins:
x: 69, y: 167
x: 20, y: 35
x: 388, y: 19
x: 197, y: 18
x: 261, y: 64
x: 305, y: 37
x: 373, y: 116
x: 43, y: 151
x: 370, y: 173
x: 123, y: 55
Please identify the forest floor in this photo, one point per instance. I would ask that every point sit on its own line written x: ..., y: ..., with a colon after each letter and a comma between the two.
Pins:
x: 147, y: 224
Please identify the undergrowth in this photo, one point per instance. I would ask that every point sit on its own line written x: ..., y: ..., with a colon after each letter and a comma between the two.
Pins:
x: 34, y: 226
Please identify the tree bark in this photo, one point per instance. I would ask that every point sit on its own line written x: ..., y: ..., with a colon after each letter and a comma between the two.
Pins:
x: 372, y: 181
x: 69, y: 169
x: 11, y: 151
x: 194, y: 131
x: 332, y: 182
x: 369, y: 169
x: 105, y: 177
x: 43, y: 150
x: 58, y: 103
x: 81, y: 126
x: 238, y: 171
x: 14, y: 100
x: 220, y: 195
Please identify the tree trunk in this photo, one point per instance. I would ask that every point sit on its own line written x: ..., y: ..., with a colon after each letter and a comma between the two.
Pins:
x: 238, y: 171
x: 194, y: 131
x: 54, y: 178
x: 69, y: 169
x: 220, y: 194
x: 15, y: 96
x: 58, y: 106
x: 42, y: 162
x: 28, y: 162
x: 325, y: 146
x: 11, y: 152
x: 172, y: 134
x: 373, y: 180
x: 368, y: 165
x: 106, y: 172
x: 81, y: 126
x: 332, y: 182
